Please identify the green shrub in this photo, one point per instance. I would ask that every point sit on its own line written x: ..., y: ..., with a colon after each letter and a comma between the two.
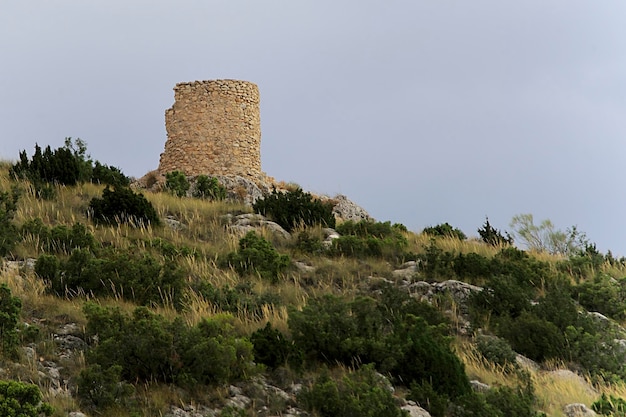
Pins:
x: 272, y: 349
x: 59, y: 238
x: 122, y: 205
x: 131, y: 276
x: 428, y: 398
x: 493, y: 236
x: 103, y: 388
x: 109, y: 175
x: 307, y: 243
x: 610, y: 406
x: 367, y: 238
x: 294, y: 208
x: 533, y: 337
x: 444, y: 230
x: 19, y: 399
x: 359, y: 393
x: 9, y: 235
x: 240, y: 299
x: 256, y: 255
x: 604, y: 295
x: 496, y: 350
x: 148, y: 347
x: 10, y: 309
x: 177, y: 184
x: 436, y: 263
x: 58, y: 167
x: 209, y: 188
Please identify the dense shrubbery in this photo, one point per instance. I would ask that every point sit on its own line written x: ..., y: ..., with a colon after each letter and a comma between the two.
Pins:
x: 18, y: 399
x: 59, y: 238
x: 367, y: 238
x: 8, y: 231
x: 294, y: 208
x: 257, y: 256
x: 359, y: 393
x: 148, y: 347
x: 239, y: 299
x: 67, y: 165
x: 10, y: 308
x: 605, y: 295
x: 122, y: 205
x: 364, y: 330
x: 135, y: 277
x: 272, y: 349
x: 444, y: 230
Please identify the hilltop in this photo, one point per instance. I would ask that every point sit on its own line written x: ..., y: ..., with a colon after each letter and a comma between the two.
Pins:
x: 195, y: 301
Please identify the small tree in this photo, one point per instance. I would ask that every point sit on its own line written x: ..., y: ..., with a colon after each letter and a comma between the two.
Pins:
x: 545, y: 237
x: 257, y: 255
x: 493, y: 236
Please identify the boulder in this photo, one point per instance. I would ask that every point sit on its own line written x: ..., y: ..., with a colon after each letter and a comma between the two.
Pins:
x: 415, y: 410
x: 578, y: 410
x: 345, y: 209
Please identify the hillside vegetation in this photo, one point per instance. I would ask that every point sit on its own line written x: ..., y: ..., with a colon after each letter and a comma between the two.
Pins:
x: 122, y: 302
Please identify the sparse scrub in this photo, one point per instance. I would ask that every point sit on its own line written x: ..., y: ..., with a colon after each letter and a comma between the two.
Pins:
x: 256, y: 255
x: 444, y: 230
x: 122, y: 205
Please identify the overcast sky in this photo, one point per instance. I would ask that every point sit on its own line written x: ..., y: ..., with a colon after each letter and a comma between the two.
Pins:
x: 421, y: 111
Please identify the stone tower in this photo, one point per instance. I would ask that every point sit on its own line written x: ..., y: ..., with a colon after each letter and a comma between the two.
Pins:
x: 214, y: 128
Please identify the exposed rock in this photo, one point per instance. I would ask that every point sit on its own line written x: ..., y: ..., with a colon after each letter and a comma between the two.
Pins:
x: 243, y: 189
x: 76, y: 414
x: 524, y: 362
x: 573, y: 380
x: 459, y: 291
x: 302, y: 267
x: 174, y: 224
x: 329, y: 236
x: 415, y: 410
x: 345, y: 209
x: 407, y: 271
x: 478, y: 386
x: 578, y: 410
x: 244, y: 223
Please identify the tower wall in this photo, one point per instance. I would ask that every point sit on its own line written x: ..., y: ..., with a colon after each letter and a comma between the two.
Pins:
x: 213, y: 128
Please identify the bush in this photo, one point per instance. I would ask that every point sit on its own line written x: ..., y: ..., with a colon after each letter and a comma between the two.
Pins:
x: 148, y: 347
x: 367, y: 238
x: 208, y: 188
x: 496, y: 350
x: 611, y: 406
x: 604, y: 295
x: 103, y: 388
x: 533, y: 337
x: 19, y: 399
x: 360, y: 393
x: 10, y: 309
x: 444, y: 230
x: 134, y: 277
x: 9, y: 235
x: 256, y: 255
x: 177, y: 184
x: 294, y: 208
x: 60, y: 238
x: 271, y: 348
x: 122, y: 205
x: 237, y: 300
x: 67, y: 165
x: 493, y: 236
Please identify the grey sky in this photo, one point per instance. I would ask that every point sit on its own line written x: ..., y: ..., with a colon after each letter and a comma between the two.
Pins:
x: 421, y: 111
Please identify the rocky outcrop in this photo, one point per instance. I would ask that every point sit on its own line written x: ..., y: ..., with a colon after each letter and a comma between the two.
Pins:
x: 344, y: 209
x: 244, y: 223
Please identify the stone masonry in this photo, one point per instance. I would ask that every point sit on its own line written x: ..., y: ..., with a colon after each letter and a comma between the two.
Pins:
x: 214, y: 128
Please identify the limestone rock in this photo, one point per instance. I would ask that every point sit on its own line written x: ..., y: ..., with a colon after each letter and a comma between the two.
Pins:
x: 407, y: 270
x: 244, y: 223
x: 345, y: 209
x: 415, y: 410
x: 578, y: 410
x: 478, y: 386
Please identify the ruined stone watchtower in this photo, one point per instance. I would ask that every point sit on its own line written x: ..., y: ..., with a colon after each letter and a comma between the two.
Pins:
x: 213, y: 128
